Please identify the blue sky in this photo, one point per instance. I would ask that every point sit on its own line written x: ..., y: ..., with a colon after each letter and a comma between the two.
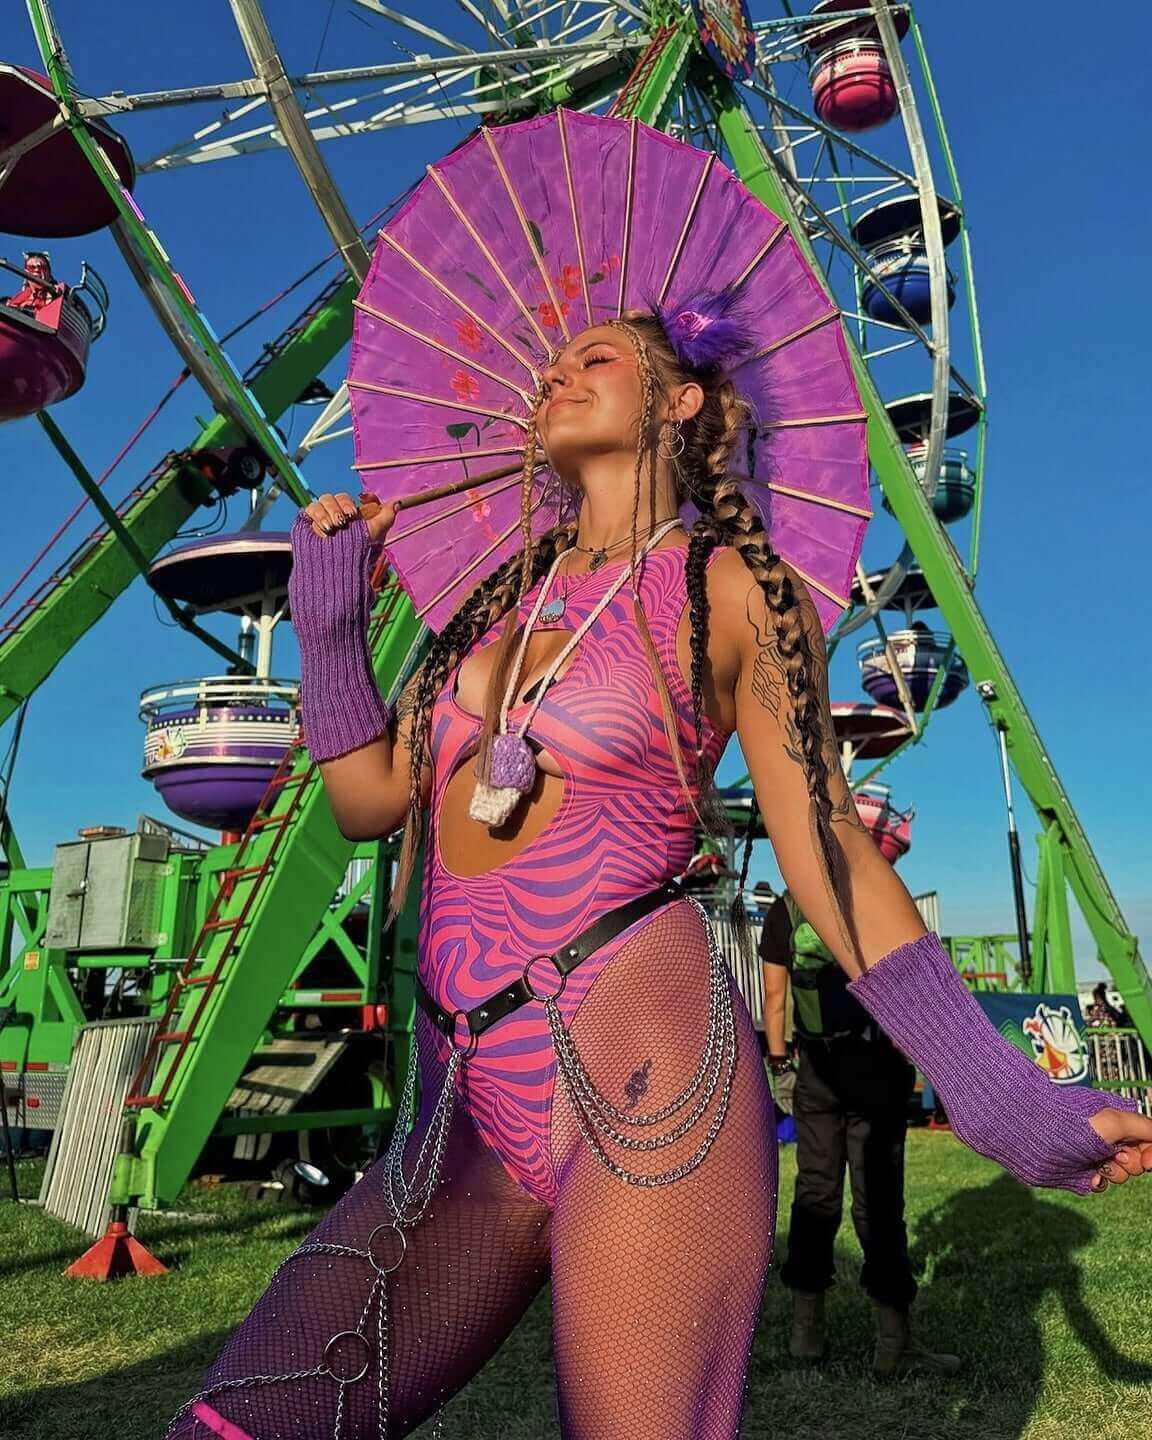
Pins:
x: 1048, y: 140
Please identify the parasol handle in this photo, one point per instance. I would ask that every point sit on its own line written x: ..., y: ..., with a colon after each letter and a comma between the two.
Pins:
x: 370, y: 503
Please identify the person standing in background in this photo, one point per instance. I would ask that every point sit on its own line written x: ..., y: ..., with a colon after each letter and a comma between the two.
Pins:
x: 849, y: 1099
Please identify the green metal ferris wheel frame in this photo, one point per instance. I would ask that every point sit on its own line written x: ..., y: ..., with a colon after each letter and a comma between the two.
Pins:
x: 171, y: 1132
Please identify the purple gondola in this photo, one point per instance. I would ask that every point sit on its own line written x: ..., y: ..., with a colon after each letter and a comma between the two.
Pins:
x: 213, y: 744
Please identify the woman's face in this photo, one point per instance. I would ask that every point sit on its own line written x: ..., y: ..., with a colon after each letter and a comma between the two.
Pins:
x: 592, y: 399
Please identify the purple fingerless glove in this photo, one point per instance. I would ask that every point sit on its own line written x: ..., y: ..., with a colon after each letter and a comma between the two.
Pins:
x: 331, y: 599
x: 998, y: 1100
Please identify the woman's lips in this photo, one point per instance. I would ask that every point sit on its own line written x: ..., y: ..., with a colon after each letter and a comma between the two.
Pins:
x: 562, y: 400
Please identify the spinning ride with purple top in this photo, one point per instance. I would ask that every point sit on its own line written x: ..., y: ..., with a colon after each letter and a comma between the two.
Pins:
x: 212, y: 744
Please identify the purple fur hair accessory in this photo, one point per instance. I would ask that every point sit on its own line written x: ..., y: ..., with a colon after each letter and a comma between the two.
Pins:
x: 707, y: 330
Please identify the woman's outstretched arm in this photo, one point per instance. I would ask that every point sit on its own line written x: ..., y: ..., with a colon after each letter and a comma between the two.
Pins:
x: 882, y: 909
x: 998, y: 1100
x: 363, y: 749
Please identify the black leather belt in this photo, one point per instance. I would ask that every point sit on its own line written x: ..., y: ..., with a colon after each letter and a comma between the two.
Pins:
x: 481, y: 1017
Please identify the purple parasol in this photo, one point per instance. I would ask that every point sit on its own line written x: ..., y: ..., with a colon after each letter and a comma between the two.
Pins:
x: 520, y: 239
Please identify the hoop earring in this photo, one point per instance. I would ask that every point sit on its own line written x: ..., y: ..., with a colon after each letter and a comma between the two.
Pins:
x: 671, y: 444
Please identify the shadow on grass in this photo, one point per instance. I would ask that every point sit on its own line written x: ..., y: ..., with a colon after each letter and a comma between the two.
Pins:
x: 172, y: 1242
x: 1001, y: 1285
x: 133, y: 1403
x: 1000, y: 1252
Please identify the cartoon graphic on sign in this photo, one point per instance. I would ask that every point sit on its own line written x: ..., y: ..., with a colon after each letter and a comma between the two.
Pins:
x: 1056, y: 1043
x: 165, y: 745
x: 725, y: 29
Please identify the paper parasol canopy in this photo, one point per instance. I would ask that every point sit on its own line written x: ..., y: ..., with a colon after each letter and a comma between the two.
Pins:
x: 516, y: 242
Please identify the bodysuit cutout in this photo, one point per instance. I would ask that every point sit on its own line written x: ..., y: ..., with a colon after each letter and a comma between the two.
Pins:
x: 467, y: 848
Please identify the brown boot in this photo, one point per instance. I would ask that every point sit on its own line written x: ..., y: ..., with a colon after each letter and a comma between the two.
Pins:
x: 899, y: 1353
x: 807, y: 1342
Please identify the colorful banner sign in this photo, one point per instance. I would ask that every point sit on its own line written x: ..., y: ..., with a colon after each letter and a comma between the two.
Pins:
x: 1049, y: 1028
x: 727, y: 36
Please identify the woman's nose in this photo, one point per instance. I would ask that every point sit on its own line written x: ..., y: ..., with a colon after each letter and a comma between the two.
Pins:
x: 555, y: 374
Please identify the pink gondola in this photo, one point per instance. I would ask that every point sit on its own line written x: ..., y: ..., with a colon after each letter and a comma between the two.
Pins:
x: 44, y: 351
x: 49, y: 189
x: 890, y: 828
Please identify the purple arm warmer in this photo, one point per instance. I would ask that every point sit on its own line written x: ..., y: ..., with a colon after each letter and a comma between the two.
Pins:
x: 998, y: 1100
x: 331, y: 600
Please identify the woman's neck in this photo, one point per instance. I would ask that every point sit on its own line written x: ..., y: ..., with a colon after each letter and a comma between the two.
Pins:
x: 604, y: 521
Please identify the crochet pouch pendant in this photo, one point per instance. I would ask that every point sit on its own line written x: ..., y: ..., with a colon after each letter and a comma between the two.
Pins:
x: 512, y: 762
x: 511, y: 776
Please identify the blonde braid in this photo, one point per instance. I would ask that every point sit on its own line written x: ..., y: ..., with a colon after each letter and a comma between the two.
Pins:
x: 496, y: 596
x: 736, y: 415
x: 646, y: 439
x: 527, y: 478
x: 740, y: 522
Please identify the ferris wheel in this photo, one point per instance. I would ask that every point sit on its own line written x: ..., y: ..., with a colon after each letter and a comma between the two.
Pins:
x: 830, y: 117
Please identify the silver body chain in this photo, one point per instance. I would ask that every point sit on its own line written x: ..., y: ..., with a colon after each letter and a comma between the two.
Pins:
x: 408, y: 1197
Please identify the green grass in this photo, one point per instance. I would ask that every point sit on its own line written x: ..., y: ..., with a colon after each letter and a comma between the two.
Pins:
x: 1046, y: 1296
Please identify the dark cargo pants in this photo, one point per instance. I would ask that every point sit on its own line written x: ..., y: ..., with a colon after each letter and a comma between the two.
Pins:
x: 851, y: 1106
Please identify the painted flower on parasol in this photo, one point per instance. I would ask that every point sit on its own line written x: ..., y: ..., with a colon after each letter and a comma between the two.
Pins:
x: 513, y: 244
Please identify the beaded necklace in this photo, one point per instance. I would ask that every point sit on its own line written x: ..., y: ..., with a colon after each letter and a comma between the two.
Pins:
x: 553, y: 612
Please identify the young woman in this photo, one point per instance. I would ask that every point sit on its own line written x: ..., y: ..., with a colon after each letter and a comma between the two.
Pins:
x: 593, y: 1105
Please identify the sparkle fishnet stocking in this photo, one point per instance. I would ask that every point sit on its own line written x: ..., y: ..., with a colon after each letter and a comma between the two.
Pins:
x: 656, y: 1290
x: 474, y: 1264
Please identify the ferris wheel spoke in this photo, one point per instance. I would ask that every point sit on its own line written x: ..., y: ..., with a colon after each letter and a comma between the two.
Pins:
x: 469, y: 7
x: 809, y: 123
x: 324, y: 429
x: 425, y: 83
x: 409, y: 22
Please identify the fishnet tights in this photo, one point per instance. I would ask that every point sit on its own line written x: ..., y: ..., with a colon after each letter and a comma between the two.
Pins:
x: 655, y: 1290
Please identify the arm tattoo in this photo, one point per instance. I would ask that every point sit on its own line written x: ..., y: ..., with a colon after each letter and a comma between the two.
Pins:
x: 769, y: 686
x: 406, y: 702
x: 404, y: 711
x: 769, y: 679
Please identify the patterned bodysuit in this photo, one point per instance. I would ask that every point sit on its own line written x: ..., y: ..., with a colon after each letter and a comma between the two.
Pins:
x: 622, y: 828
x: 655, y: 1290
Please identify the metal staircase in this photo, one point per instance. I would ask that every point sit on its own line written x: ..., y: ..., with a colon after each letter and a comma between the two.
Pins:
x: 277, y: 888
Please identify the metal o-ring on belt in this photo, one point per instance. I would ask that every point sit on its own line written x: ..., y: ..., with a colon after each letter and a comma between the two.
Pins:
x: 481, y: 1017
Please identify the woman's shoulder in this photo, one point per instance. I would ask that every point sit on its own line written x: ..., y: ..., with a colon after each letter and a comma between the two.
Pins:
x: 738, y: 601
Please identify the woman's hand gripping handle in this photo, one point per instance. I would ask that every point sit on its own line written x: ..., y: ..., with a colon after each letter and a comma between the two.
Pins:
x: 336, y: 548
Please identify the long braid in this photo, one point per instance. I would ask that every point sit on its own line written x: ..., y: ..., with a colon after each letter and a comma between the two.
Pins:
x: 741, y: 522
x: 726, y: 517
x: 646, y: 442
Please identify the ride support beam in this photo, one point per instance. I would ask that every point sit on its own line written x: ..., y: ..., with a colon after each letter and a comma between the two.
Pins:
x: 124, y: 535
x: 168, y: 293
x: 944, y: 571
x: 41, y: 636
x: 298, y: 137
